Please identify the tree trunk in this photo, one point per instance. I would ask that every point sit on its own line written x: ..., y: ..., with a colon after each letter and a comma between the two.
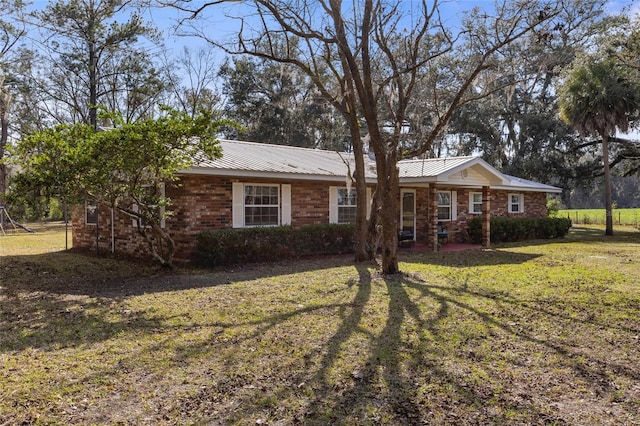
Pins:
x: 361, y: 252
x: 4, y: 137
x: 93, y: 86
x: 3, y: 143
x: 607, y: 184
x: 360, y: 236
x: 389, y: 217
x: 388, y: 187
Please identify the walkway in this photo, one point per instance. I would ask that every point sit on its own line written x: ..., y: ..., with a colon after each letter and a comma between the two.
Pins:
x: 444, y: 248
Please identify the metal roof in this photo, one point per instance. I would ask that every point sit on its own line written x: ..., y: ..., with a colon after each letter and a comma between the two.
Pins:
x: 267, y: 160
x: 251, y: 159
x: 529, y: 185
x: 444, y: 170
x: 430, y: 167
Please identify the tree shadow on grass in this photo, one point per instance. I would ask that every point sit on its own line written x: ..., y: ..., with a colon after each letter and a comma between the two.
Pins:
x: 44, y: 321
x: 64, y: 299
x: 468, y: 258
x: 406, y: 375
x: 72, y: 273
x: 384, y: 380
x: 390, y: 375
x: 595, y: 370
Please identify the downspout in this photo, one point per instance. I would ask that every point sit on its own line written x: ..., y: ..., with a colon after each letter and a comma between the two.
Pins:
x: 66, y: 226
x: 98, y: 232
x: 113, y: 238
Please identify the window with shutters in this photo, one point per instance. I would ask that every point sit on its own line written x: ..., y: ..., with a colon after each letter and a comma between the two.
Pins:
x: 347, y: 205
x: 444, y: 205
x: 516, y: 203
x: 261, y: 205
x: 475, y: 203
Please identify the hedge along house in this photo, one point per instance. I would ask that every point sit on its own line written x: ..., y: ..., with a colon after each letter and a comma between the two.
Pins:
x: 256, y: 184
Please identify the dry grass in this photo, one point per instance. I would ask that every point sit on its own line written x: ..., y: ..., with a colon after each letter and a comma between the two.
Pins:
x: 544, y: 333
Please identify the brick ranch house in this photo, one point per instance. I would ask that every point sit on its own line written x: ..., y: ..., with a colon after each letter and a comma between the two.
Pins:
x: 256, y: 184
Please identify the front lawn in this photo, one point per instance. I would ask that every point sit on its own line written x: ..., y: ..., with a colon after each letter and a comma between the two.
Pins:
x: 546, y: 332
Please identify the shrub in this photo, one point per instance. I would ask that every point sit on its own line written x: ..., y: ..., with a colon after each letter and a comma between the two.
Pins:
x: 228, y: 246
x: 509, y: 229
x: 553, y: 207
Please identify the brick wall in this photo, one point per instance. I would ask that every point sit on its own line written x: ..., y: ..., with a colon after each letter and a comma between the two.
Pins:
x: 205, y: 203
x: 198, y: 203
x: 309, y: 203
x: 535, y: 205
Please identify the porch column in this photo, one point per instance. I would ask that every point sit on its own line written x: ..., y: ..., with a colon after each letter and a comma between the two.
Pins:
x: 432, y: 226
x: 486, y: 216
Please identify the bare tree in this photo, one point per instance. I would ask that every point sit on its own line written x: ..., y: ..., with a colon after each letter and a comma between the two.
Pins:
x: 192, y: 78
x: 374, y: 53
x: 12, y: 29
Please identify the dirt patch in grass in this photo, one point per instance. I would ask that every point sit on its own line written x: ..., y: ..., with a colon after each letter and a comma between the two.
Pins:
x: 544, y: 333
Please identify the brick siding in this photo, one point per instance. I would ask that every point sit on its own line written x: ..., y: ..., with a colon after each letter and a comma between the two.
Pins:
x: 535, y: 205
x: 201, y: 203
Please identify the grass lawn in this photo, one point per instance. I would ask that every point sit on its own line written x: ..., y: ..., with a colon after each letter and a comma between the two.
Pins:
x: 542, y: 333
x: 629, y: 217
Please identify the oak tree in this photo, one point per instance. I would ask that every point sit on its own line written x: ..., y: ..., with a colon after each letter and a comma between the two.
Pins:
x: 366, y: 58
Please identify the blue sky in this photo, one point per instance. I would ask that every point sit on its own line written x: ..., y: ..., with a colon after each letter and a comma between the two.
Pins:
x: 166, y: 18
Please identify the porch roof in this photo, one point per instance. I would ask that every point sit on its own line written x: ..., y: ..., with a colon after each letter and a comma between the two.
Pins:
x: 459, y: 171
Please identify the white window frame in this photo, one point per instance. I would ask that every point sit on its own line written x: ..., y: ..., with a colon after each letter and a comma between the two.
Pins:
x: 473, y: 203
x: 453, y: 204
x: 94, y: 207
x: 134, y: 221
x: 333, y: 202
x: 520, y: 202
x: 245, y: 205
x: 238, y: 203
x: 348, y: 205
x: 402, y: 192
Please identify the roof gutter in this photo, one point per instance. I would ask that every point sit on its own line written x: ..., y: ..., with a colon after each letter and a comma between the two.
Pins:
x: 206, y: 171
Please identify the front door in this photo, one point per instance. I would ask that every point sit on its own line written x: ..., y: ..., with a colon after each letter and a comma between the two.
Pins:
x: 408, y: 213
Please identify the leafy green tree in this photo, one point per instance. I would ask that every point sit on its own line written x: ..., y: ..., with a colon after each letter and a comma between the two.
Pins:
x: 271, y: 100
x: 93, y: 57
x: 11, y: 31
x: 597, y: 99
x: 118, y: 167
x: 624, y: 47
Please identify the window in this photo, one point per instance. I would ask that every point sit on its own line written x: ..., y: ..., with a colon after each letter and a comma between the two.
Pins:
x: 475, y: 202
x: 261, y: 205
x: 347, y: 205
x: 516, y: 203
x: 343, y: 204
x: 444, y: 205
x: 90, y: 213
